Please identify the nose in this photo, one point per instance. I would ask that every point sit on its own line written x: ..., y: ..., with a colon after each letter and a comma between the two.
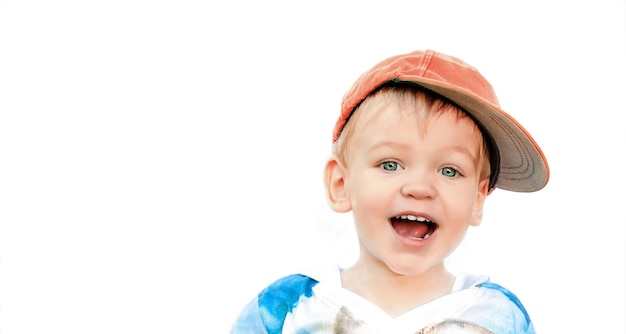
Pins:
x: 419, y: 186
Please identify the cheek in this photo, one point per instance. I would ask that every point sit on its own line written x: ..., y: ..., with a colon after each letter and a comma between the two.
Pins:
x: 461, y: 204
x: 363, y: 197
x: 369, y: 199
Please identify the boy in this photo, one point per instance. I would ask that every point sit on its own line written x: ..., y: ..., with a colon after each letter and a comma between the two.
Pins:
x: 419, y: 145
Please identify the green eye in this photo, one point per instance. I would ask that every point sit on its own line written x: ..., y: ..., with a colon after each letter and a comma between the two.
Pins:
x: 449, y: 172
x: 390, y: 166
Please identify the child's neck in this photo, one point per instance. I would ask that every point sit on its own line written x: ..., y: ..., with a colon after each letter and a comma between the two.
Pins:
x: 397, y: 294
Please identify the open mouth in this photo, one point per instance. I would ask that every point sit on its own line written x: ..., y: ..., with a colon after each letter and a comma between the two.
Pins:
x: 413, y: 227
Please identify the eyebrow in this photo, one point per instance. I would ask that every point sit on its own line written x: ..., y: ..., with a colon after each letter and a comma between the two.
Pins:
x: 399, y: 146
x: 465, y: 151
x: 389, y: 144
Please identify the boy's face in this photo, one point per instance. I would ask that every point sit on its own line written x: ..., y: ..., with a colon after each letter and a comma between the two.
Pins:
x: 413, y: 190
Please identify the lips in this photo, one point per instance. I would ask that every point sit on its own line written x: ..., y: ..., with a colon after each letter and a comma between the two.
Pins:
x: 413, y: 227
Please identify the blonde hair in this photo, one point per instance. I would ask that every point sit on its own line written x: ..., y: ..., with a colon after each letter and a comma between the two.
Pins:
x: 414, y: 101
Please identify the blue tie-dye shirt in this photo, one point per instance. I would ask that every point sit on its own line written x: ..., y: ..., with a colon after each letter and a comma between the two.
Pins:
x: 315, y: 302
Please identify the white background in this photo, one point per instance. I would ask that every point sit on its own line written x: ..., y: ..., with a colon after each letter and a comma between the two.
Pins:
x: 161, y: 161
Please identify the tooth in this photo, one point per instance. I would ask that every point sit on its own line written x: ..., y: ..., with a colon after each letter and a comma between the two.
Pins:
x: 413, y: 218
x: 427, y: 236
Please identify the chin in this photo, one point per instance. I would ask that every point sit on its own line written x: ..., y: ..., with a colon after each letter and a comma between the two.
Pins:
x: 409, y: 270
x: 412, y: 266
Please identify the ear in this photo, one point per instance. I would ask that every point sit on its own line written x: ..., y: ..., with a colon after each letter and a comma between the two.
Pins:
x: 335, y: 183
x: 479, y: 202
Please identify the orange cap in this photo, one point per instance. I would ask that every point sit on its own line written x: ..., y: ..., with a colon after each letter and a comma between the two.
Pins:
x: 522, y: 165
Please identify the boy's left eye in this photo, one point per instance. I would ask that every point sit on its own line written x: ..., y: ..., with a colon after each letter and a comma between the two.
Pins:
x: 449, y: 171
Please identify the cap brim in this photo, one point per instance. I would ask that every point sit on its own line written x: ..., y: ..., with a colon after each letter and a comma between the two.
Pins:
x: 523, y: 166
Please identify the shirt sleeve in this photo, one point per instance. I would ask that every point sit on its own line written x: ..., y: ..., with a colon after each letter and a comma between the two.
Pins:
x: 266, y: 313
x: 506, y: 313
x: 249, y: 320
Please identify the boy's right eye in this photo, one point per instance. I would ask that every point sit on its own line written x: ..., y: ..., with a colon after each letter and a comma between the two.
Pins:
x: 390, y: 166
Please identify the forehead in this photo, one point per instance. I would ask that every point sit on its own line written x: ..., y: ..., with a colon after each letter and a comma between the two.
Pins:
x: 401, y: 110
x: 399, y: 107
x: 393, y: 123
